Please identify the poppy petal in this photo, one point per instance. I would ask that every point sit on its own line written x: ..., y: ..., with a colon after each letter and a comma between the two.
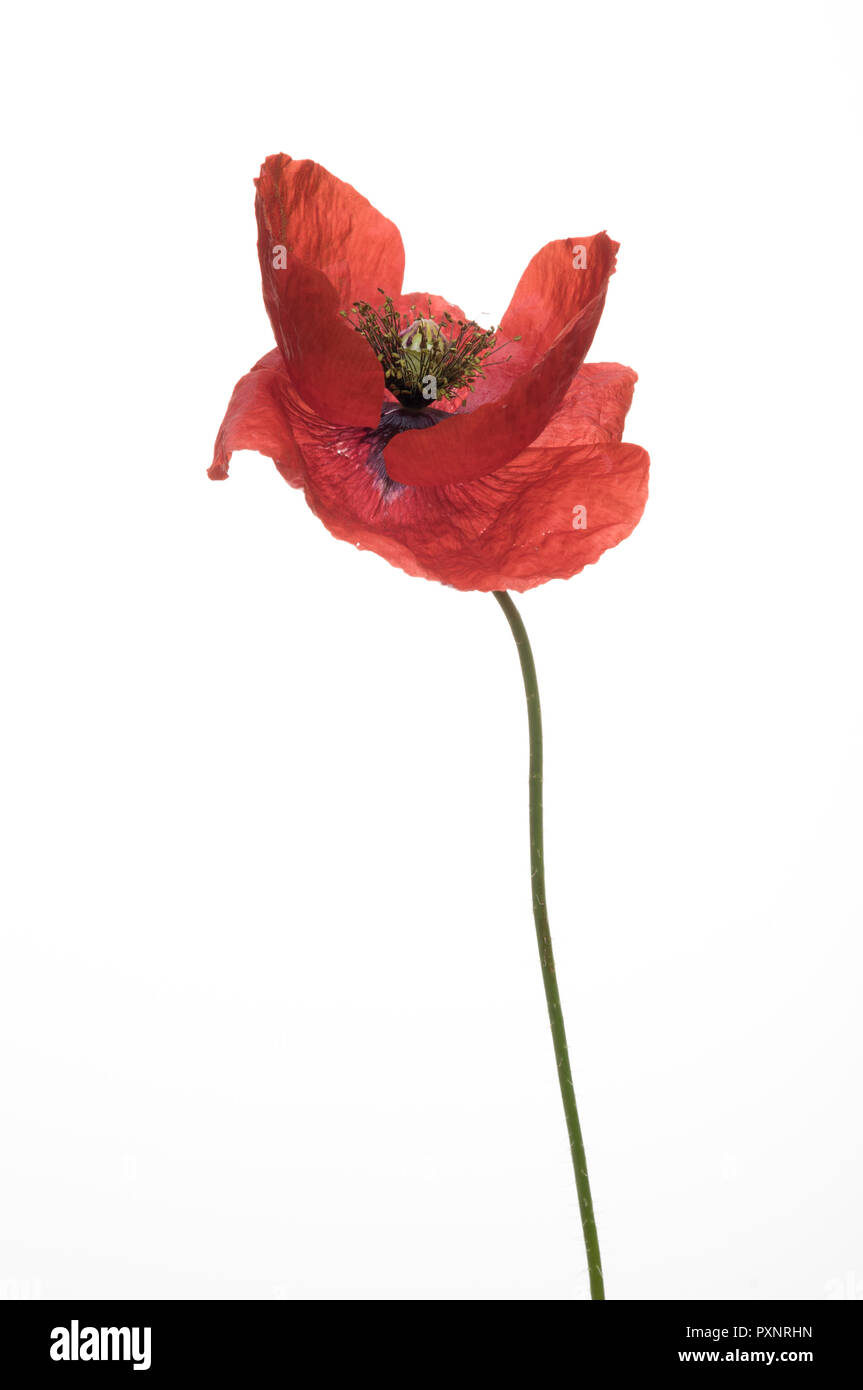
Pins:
x: 565, y: 508
x: 329, y: 226
x: 425, y: 305
x: 482, y: 440
x: 322, y: 245
x: 559, y: 281
x: 545, y: 515
x: 594, y: 408
x: 259, y: 417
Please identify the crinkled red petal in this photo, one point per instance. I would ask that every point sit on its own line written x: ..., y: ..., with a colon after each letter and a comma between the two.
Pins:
x: 543, y: 516
x: 556, y: 287
x: 556, y: 308
x: 418, y: 306
x: 259, y: 417
x: 321, y: 246
x: 594, y: 408
x: 328, y: 225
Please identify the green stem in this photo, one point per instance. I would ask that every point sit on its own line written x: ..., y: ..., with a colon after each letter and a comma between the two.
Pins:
x: 546, y: 955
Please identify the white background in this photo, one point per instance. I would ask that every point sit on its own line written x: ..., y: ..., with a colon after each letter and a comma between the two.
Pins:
x: 272, y: 1022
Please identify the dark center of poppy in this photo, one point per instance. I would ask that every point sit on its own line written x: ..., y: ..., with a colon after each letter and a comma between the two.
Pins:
x: 395, y: 419
x: 423, y: 360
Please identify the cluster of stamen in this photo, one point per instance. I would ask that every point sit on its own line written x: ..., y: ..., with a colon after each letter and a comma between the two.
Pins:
x: 424, y: 361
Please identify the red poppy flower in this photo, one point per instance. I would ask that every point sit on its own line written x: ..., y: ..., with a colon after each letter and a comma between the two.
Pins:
x: 481, y: 463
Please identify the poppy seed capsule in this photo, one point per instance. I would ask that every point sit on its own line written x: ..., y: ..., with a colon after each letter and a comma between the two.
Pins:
x: 424, y: 335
